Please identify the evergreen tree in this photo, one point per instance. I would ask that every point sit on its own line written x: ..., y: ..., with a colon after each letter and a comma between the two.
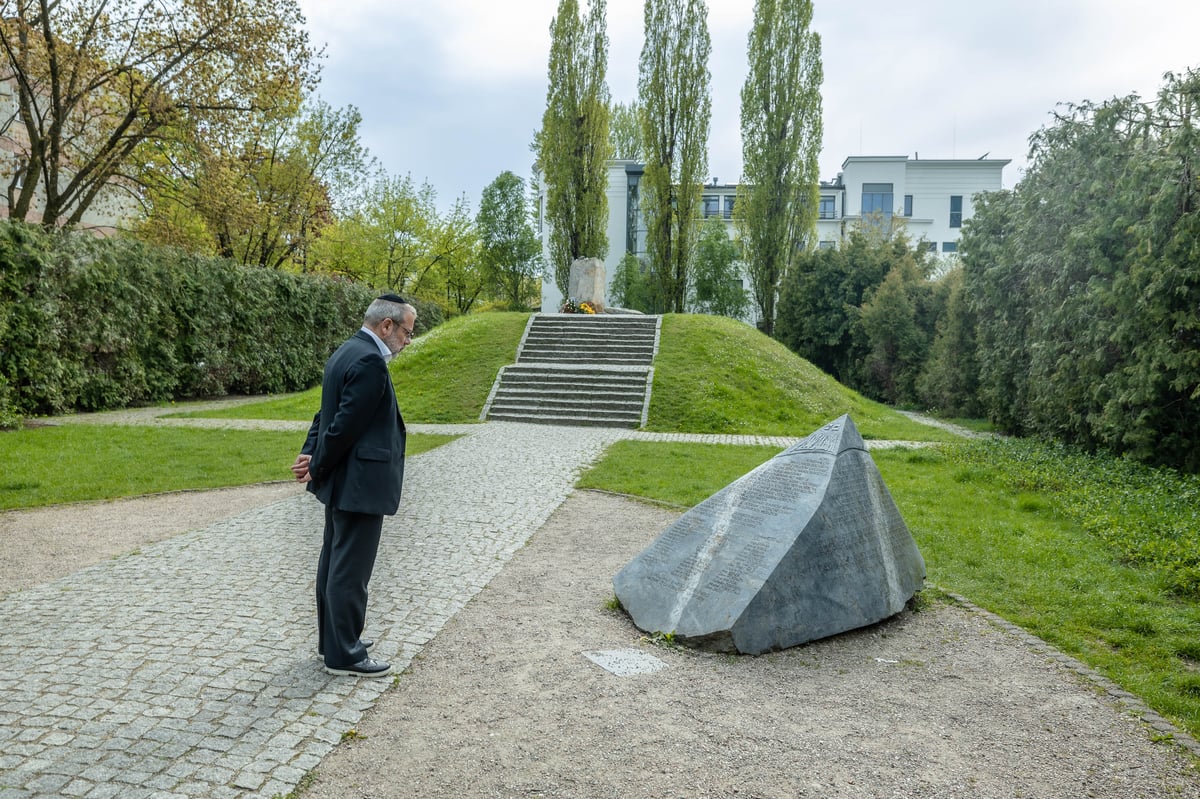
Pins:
x: 776, y: 210
x: 821, y: 299
x: 999, y: 298
x: 573, y: 147
x: 895, y: 329
x: 1085, y: 285
x: 676, y: 107
x: 949, y: 381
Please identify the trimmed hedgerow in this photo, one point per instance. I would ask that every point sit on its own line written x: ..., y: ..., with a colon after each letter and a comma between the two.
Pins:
x: 91, y: 324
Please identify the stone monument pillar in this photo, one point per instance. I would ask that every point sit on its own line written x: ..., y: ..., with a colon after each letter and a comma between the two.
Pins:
x: 807, y: 545
x: 587, y: 282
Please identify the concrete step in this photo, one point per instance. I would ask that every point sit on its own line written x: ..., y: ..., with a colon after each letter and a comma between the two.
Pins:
x: 573, y: 420
x: 640, y: 343
x: 625, y: 412
x: 576, y: 383
x: 578, y: 369
x: 583, y: 356
x: 605, y: 399
x: 575, y: 339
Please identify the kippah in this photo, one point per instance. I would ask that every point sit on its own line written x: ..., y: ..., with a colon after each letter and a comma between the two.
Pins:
x: 394, y: 298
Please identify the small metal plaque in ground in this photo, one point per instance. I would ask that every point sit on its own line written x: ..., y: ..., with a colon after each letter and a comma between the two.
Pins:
x: 625, y: 662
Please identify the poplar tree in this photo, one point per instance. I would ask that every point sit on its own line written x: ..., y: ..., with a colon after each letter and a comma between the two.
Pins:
x: 776, y: 209
x: 573, y: 147
x: 676, y: 107
x: 625, y: 132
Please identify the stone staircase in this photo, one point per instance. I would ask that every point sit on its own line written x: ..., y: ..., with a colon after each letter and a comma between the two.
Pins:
x: 579, y: 369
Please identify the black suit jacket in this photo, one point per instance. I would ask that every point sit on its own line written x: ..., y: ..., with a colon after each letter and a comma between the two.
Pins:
x: 357, y: 437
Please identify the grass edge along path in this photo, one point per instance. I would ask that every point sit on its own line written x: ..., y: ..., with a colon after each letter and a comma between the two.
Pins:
x: 1005, y: 533
x: 53, y: 465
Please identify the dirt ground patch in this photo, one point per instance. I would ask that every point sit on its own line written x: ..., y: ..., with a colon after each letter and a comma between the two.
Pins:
x: 937, y: 703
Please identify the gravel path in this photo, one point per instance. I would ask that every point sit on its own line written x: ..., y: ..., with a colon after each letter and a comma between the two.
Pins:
x: 947, y: 702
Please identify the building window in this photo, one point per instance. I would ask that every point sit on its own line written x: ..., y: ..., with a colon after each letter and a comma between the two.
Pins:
x: 712, y: 205
x: 908, y: 205
x: 826, y: 245
x: 877, y: 199
x: 729, y: 200
x: 931, y: 246
x: 828, y: 207
x: 632, y: 215
x: 955, y: 210
x: 949, y: 246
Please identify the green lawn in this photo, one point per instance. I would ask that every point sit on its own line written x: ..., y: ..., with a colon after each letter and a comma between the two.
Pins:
x: 74, y: 463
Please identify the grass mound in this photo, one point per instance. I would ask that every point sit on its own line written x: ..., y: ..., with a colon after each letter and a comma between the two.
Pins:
x: 717, y: 375
x: 442, y: 378
x: 712, y: 375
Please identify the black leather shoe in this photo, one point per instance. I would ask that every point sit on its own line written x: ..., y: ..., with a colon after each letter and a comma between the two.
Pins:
x: 363, y: 668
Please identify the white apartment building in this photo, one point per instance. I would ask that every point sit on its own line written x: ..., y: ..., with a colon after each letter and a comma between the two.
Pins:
x: 933, y: 197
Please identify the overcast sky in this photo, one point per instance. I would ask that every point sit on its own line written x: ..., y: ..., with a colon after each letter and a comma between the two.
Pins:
x: 451, y: 91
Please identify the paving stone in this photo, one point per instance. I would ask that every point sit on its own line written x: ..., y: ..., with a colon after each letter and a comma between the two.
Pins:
x: 207, y: 675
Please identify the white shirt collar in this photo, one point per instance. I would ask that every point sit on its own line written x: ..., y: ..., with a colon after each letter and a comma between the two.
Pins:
x: 383, y: 348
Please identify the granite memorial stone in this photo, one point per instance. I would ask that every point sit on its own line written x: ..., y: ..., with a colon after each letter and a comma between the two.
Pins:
x: 807, y: 545
x: 587, y: 282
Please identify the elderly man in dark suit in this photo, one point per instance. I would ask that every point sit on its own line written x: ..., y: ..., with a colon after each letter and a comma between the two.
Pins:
x: 353, y: 461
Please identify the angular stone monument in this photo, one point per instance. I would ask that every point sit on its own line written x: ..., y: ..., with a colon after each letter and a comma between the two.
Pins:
x: 807, y: 545
x: 587, y: 282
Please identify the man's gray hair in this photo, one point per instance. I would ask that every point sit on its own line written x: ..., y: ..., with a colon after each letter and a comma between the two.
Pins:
x: 381, y: 309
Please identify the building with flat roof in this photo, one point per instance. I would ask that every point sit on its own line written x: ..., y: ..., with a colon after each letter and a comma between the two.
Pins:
x: 933, y: 197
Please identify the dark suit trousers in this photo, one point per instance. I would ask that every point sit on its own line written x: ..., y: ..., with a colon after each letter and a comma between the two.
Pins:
x: 343, y: 571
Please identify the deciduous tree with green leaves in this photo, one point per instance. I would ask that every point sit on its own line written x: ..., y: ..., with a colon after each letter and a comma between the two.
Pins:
x: 674, y: 93
x: 264, y: 197
x: 509, y: 249
x: 630, y: 287
x: 453, y: 261
x: 572, y: 146
x: 625, y: 132
x: 717, y: 284
x: 96, y: 79
x: 386, y: 239
x: 776, y: 209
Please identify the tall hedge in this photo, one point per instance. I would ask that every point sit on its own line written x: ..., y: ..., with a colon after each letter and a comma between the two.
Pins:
x: 1085, y: 281
x: 92, y: 324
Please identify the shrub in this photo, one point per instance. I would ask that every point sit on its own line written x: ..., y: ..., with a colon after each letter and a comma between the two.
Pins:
x: 90, y: 324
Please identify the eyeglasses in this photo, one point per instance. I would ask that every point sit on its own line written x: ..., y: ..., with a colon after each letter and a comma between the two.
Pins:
x: 408, y: 333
